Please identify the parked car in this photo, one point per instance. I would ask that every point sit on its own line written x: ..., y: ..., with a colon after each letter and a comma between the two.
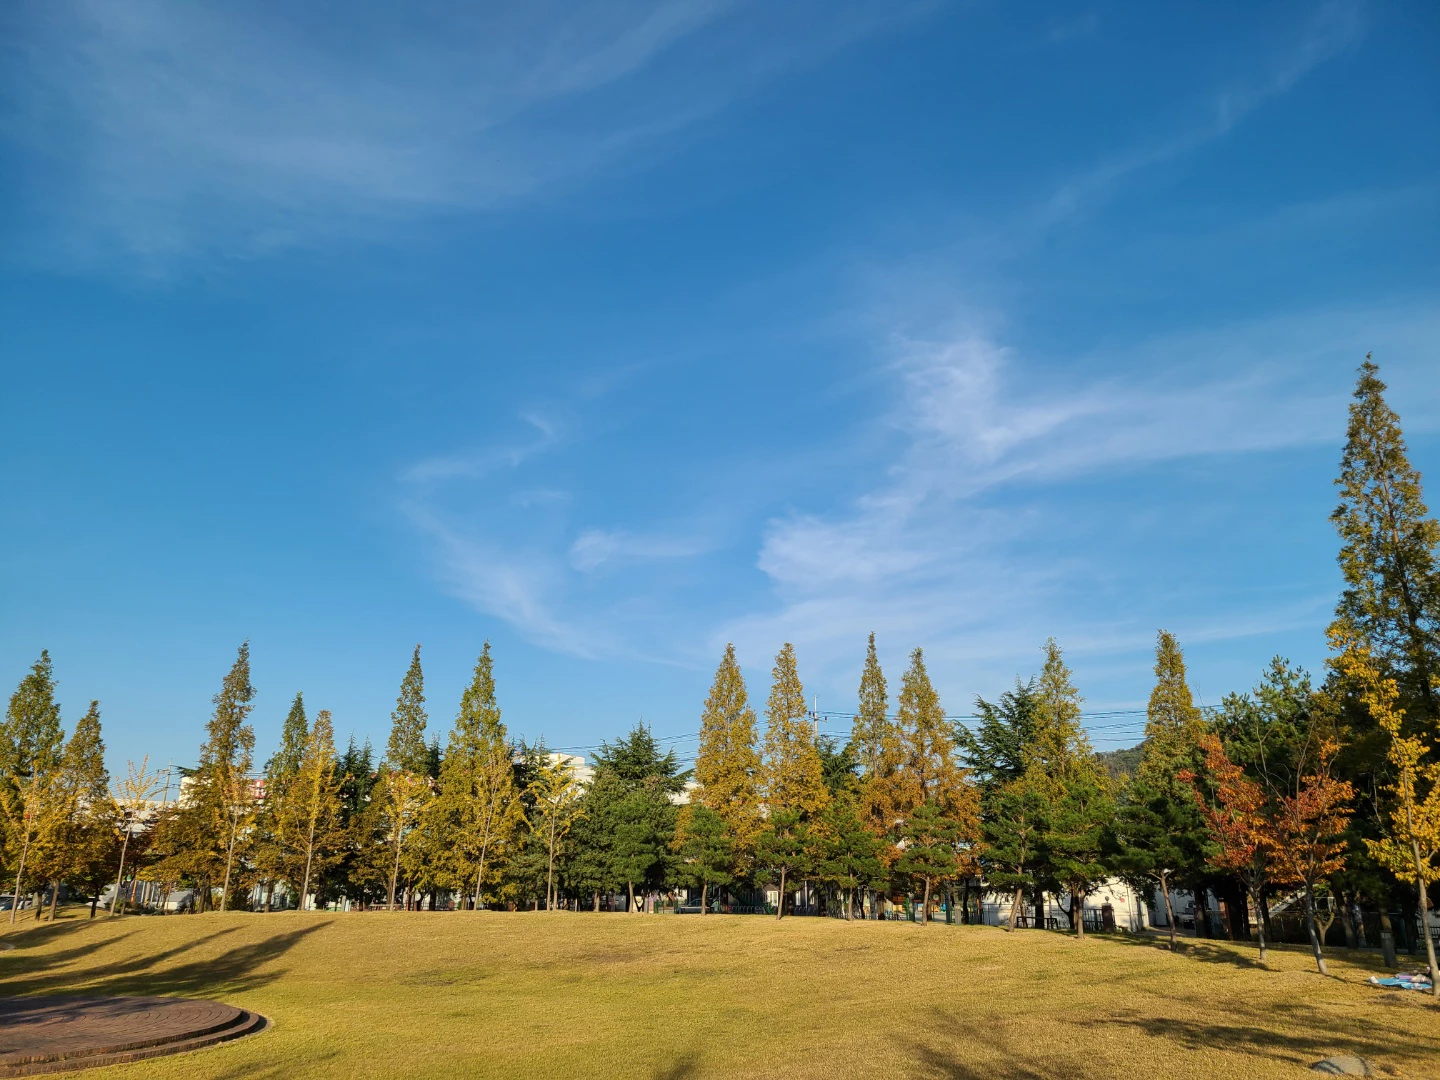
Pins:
x: 7, y: 902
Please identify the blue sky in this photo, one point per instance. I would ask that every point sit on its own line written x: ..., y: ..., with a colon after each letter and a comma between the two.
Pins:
x: 615, y: 332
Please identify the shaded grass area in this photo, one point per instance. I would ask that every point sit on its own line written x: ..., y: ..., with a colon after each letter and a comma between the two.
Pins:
x: 551, y: 994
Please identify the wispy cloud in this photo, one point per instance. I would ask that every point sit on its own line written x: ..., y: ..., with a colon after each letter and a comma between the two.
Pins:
x: 169, y: 129
x: 964, y: 546
x: 594, y: 548
x: 1333, y: 28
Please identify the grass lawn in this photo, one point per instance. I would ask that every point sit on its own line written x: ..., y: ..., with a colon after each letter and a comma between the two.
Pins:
x: 562, y: 994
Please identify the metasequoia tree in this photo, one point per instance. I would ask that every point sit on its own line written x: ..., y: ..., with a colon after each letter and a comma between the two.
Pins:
x: 405, y: 781
x: 31, y: 743
x: 1391, y: 600
x: 270, y: 855
x: 727, y: 765
x: 1238, y: 821
x: 78, y: 811
x: 310, y: 825
x: 1062, y: 769
x: 792, y: 773
x: 478, y: 803
x: 1162, y: 833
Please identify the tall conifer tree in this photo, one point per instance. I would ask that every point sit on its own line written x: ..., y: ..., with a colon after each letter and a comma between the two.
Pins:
x: 477, y: 810
x: 223, y: 778
x: 31, y: 742
x: 872, y: 737
x: 927, y: 743
x: 272, y: 857
x: 406, y: 767
x: 794, y: 778
x: 311, y: 824
x: 1388, y: 554
x: 406, y: 749
x: 727, y: 765
x: 1163, y: 837
x: 77, y: 829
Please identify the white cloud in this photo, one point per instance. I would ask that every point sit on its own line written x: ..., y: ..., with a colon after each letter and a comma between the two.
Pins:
x: 594, y: 548
x: 942, y: 553
x: 168, y: 129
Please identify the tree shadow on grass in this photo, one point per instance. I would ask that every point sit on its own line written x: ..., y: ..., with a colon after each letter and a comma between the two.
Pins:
x: 1203, y: 950
x: 37, y: 934
x: 234, y: 971
x: 1287, y: 1032
x: 1244, y: 954
x: 1295, y: 1034
x: 990, y: 1053
x: 686, y: 1065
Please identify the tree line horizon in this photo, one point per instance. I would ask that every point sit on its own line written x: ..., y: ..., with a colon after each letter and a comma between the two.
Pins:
x: 1329, y: 791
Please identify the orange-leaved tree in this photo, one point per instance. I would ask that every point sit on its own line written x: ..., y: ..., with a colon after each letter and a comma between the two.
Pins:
x: 1238, y: 821
x: 1308, y: 833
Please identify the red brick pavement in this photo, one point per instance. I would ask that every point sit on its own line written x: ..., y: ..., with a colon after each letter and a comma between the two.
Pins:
x: 58, y: 1034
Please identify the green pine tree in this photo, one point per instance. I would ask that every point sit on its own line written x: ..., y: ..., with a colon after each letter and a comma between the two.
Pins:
x: 706, y: 851
x: 935, y: 845
x: 849, y: 853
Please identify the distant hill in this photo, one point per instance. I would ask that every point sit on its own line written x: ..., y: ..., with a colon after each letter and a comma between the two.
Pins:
x: 1120, y: 764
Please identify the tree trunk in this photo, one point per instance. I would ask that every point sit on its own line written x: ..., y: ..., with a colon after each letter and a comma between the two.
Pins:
x: 704, y: 896
x: 1169, y: 908
x: 1202, y: 913
x: 1346, y: 922
x: 480, y: 877
x: 54, y: 899
x: 1310, y: 926
x: 229, y: 862
x: 1039, y: 900
x: 1015, y: 908
x: 925, y: 911
x: 94, y: 903
x: 1264, y: 913
x: 1387, y: 940
x: 597, y: 901
x: 630, y: 890
x: 1259, y: 923
x: 1425, y: 918
x: 19, y: 876
x: 269, y: 895
x: 394, y: 871
x: 780, y: 907
x: 1077, y: 908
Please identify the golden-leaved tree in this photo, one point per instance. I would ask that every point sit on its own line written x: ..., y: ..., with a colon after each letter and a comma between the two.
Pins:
x: 727, y: 765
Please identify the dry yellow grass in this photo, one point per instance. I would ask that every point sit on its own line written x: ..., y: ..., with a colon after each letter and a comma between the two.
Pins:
x: 547, y: 995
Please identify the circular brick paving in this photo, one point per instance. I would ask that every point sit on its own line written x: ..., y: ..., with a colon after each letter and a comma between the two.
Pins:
x: 58, y: 1034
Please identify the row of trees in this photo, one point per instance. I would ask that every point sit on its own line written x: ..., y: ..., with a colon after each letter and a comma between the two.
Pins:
x: 1329, y: 793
